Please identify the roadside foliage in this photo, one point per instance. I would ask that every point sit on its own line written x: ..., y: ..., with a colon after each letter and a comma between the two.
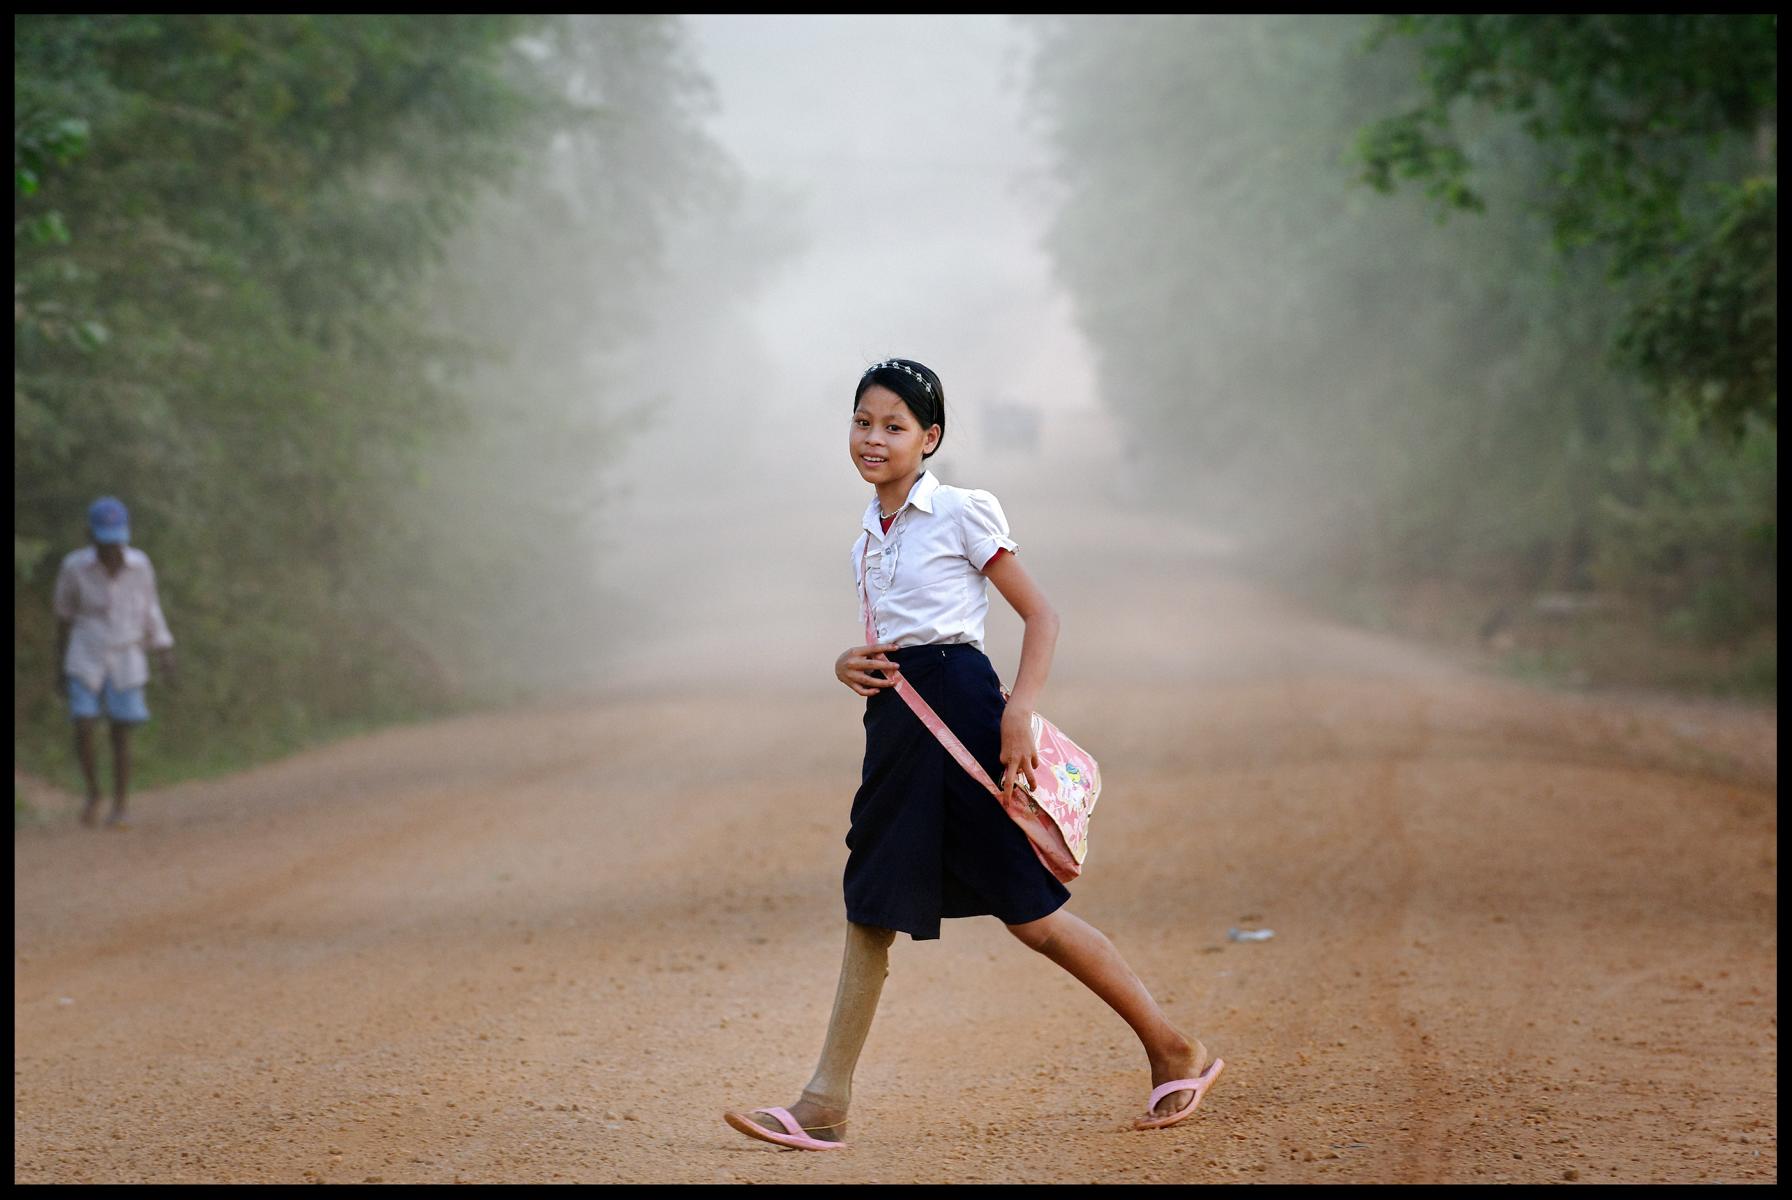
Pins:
x: 1489, y: 300
x: 314, y: 295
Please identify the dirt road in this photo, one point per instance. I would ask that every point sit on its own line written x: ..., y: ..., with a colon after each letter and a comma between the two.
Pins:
x: 1519, y: 936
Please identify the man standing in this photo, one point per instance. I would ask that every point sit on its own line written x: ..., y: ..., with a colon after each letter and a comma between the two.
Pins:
x: 107, y: 611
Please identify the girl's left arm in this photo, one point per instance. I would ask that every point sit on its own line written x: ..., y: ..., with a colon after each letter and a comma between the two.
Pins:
x: 1019, y: 755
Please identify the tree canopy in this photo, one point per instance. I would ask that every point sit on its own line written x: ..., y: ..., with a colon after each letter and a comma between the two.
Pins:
x: 1659, y: 130
x: 1359, y: 390
x: 273, y: 285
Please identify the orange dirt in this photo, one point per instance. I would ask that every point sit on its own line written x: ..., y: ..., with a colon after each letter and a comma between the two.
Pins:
x: 1519, y: 935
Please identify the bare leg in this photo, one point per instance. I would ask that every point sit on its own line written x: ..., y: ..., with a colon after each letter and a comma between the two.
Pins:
x: 89, y: 770
x: 822, y: 1108
x: 1086, y: 953
x: 121, y: 770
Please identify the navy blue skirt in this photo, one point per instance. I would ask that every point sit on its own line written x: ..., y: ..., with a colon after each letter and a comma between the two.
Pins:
x: 928, y: 841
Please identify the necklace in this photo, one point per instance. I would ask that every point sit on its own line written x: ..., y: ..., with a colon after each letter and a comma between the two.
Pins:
x: 884, y: 516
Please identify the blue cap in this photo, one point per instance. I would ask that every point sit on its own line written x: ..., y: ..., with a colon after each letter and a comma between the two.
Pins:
x: 109, y: 520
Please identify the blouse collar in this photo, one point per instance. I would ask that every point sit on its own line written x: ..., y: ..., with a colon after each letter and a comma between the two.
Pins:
x: 920, y: 495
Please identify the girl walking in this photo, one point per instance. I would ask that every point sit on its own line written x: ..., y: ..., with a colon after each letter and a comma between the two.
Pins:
x: 926, y: 840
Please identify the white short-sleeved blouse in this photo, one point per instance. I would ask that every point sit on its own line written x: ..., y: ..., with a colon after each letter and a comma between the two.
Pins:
x: 112, y: 617
x: 924, y: 579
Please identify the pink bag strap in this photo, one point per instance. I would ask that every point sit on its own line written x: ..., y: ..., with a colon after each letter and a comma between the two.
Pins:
x: 924, y: 710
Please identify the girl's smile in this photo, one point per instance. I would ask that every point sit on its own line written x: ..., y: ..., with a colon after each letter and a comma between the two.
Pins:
x: 887, y: 442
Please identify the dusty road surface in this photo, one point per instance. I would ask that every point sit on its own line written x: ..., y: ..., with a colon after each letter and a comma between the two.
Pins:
x: 1519, y: 936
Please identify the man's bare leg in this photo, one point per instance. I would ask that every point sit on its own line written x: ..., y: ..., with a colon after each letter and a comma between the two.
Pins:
x: 863, y: 969
x: 1086, y: 953
x: 121, y: 771
x: 89, y: 769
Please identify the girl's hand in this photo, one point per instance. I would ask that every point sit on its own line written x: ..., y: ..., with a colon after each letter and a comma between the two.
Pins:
x: 1019, y: 755
x: 855, y: 663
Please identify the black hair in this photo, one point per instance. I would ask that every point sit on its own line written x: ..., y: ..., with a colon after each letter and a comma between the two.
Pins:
x: 917, y: 386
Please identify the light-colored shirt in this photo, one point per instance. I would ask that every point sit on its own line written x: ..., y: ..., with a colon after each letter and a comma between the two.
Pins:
x: 924, y: 578
x: 113, y: 618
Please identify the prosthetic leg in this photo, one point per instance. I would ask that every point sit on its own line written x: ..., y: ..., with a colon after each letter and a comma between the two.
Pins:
x: 862, y: 973
x: 863, y: 970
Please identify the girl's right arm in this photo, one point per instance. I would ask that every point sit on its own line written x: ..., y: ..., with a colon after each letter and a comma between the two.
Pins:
x: 855, y: 664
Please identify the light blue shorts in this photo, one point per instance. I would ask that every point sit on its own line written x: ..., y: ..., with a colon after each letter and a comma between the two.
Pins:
x: 123, y: 706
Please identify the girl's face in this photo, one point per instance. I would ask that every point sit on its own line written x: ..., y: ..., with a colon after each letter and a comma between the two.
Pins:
x: 887, y: 442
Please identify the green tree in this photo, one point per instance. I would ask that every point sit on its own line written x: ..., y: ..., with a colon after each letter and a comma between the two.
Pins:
x: 236, y: 238
x: 1305, y: 364
x: 1660, y: 128
x: 1348, y: 385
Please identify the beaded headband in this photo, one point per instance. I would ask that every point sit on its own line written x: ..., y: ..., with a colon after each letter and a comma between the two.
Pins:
x: 896, y: 366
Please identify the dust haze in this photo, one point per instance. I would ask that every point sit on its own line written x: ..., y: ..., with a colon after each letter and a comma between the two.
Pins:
x: 1164, y: 308
x: 896, y: 193
x: 894, y: 160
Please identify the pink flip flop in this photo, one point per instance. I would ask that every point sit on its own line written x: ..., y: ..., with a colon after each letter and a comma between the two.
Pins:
x: 796, y: 1139
x: 1199, y: 1084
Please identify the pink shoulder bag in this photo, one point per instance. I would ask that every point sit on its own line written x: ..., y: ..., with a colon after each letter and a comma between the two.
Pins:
x: 1055, y: 814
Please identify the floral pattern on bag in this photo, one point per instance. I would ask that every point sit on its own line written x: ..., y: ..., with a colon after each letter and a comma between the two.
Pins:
x: 1068, y: 786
